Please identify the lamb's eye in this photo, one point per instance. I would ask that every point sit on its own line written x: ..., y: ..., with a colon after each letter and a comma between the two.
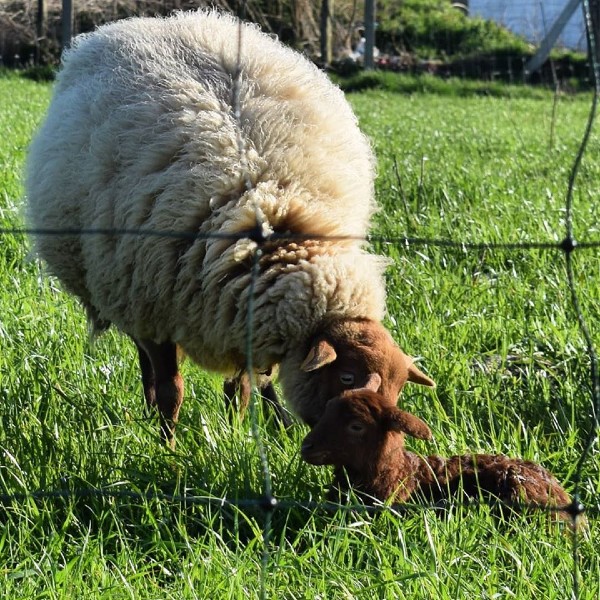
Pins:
x: 356, y: 427
x: 347, y: 378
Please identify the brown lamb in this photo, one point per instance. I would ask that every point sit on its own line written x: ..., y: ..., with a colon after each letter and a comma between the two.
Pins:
x: 362, y: 435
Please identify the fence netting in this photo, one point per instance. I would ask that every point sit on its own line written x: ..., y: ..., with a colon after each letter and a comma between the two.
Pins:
x: 266, y: 500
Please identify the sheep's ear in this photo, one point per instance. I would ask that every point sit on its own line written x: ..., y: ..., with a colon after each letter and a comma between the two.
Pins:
x: 401, y: 421
x: 417, y: 376
x: 320, y: 354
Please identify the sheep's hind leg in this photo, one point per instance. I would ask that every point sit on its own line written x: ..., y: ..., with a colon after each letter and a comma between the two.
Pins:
x: 163, y: 385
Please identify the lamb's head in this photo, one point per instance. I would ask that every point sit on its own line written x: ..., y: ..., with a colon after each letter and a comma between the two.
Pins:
x: 346, y: 354
x: 357, y: 429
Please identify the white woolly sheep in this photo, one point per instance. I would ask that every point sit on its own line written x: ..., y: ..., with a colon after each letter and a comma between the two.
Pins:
x: 362, y: 434
x: 143, y: 132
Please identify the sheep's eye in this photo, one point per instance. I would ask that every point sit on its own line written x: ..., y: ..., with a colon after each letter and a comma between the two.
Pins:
x: 347, y: 378
x: 356, y: 427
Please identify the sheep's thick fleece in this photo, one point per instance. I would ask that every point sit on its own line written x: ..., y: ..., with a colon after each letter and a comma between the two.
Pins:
x: 142, y: 133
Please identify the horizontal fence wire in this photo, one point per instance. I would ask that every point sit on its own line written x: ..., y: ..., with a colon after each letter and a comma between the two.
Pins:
x: 266, y: 501
x: 270, y: 504
x: 568, y: 244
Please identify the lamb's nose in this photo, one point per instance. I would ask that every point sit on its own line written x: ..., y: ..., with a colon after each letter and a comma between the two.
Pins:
x: 306, y: 449
x: 306, y: 446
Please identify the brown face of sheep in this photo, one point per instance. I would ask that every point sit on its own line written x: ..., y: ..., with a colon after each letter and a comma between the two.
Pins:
x: 357, y: 353
x: 355, y: 429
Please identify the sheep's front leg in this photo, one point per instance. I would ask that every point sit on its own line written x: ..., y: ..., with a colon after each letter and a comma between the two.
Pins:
x: 269, y: 396
x: 240, y: 386
x: 237, y: 391
x: 163, y: 385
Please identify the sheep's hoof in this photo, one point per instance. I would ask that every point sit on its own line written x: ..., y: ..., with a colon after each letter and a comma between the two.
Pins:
x: 167, y: 432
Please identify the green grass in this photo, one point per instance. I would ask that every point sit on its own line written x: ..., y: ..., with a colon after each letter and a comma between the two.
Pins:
x: 431, y: 84
x: 494, y: 328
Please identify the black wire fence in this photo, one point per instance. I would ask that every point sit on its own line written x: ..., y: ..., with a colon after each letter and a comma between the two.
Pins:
x: 267, y: 501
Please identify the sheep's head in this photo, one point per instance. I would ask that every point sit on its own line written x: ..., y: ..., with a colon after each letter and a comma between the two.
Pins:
x: 355, y: 430
x: 348, y: 354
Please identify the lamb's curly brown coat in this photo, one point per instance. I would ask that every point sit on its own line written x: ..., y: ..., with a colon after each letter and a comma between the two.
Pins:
x: 362, y: 435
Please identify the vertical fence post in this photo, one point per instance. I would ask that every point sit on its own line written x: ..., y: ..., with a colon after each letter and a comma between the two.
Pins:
x: 369, y: 34
x: 326, y: 33
x: 40, y: 29
x: 594, y: 53
x: 67, y: 23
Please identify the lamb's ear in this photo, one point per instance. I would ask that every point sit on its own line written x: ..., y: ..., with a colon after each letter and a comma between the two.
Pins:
x: 321, y: 353
x: 401, y: 421
x: 372, y: 385
x: 417, y: 376
x: 373, y: 382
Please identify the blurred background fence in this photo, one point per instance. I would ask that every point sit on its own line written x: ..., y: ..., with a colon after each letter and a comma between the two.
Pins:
x: 486, y: 39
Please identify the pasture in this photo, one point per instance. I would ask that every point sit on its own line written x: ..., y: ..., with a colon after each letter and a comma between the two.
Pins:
x: 495, y: 327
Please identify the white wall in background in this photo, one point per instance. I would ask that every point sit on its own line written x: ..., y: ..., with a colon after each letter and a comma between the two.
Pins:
x: 533, y: 18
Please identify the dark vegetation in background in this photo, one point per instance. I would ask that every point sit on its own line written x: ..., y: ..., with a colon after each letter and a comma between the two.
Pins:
x: 441, y: 40
x: 413, y: 36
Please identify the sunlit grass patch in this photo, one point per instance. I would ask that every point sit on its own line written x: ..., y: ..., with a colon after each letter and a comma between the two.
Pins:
x: 494, y: 328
